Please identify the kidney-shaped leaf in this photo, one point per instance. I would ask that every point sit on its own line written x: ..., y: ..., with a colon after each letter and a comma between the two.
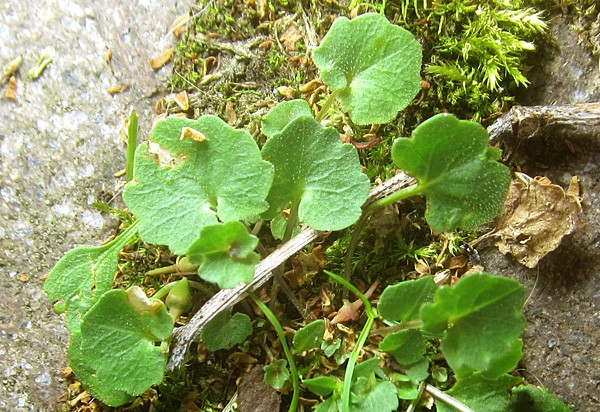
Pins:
x: 406, y: 346
x: 282, y: 114
x: 225, y: 254
x: 190, y: 173
x: 118, y: 336
x: 372, y: 65
x: 313, y: 167
x: 457, y: 171
x: 83, y: 275
x: 483, y: 395
x: 480, y: 322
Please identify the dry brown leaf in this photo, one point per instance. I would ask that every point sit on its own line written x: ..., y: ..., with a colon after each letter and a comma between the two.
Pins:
x: 10, y: 69
x: 182, y: 100
x: 11, y: 89
x: 230, y: 113
x: 161, y: 59
x: 290, y: 37
x: 287, y: 92
x: 537, y: 215
x: 114, y: 89
x: 179, y: 25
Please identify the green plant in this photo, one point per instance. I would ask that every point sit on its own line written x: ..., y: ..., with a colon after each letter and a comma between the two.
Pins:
x: 198, y: 185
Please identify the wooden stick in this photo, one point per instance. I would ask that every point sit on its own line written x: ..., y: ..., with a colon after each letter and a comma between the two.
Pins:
x: 526, y: 122
x: 185, y: 335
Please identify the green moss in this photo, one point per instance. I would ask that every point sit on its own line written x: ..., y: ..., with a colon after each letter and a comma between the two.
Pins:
x: 475, y: 51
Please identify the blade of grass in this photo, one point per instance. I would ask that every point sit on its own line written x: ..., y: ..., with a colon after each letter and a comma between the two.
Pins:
x: 132, y: 134
x: 286, y: 349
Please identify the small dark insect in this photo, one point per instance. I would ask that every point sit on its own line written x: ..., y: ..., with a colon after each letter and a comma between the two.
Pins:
x: 471, y: 253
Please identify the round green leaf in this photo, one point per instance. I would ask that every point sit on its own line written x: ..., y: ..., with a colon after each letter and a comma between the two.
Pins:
x: 457, y: 171
x: 371, y: 394
x: 373, y: 66
x: 118, y: 336
x: 480, y: 322
x: 191, y: 173
x: 313, y: 167
x: 323, y: 385
x: 402, y: 301
x: 225, y: 254
x: 482, y: 395
x: 225, y: 331
x: 282, y: 114
x: 101, y: 389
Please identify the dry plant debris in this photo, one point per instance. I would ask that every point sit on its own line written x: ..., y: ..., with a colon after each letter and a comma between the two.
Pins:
x: 536, y: 217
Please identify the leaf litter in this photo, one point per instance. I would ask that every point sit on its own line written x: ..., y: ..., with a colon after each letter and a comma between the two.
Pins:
x: 537, y: 216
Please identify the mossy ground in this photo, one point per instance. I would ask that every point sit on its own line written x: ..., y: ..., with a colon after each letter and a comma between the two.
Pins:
x: 239, y: 58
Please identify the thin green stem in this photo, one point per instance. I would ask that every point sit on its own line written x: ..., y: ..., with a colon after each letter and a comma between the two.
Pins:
x: 358, y: 228
x: 286, y: 349
x: 401, y: 194
x: 362, y: 338
x: 132, y: 135
x: 327, y: 105
x: 291, y: 221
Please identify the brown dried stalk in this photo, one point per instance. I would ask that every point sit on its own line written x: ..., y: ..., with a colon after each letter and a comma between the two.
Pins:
x: 185, y: 335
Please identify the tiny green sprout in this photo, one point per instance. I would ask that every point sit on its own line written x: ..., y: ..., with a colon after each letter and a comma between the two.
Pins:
x: 46, y: 57
x: 179, y: 299
x: 225, y: 253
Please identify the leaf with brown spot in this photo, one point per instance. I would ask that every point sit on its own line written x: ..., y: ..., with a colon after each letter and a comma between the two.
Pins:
x: 536, y: 217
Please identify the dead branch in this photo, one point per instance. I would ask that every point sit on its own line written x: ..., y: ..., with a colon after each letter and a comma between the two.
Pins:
x: 226, y: 298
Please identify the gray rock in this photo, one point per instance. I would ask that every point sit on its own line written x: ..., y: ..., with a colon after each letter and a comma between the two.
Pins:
x: 60, y: 145
x: 563, y: 304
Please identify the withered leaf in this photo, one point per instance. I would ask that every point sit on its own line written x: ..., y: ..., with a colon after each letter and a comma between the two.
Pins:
x: 161, y: 59
x: 290, y: 37
x: 537, y: 215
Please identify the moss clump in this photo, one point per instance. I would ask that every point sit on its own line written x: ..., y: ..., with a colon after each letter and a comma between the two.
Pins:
x: 477, y: 51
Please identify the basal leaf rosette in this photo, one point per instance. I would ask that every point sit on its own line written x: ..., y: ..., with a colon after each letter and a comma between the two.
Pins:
x: 119, y: 331
x: 479, y: 321
x: 373, y: 66
x: 317, y: 172
x: 225, y: 254
x: 456, y: 170
x: 193, y: 173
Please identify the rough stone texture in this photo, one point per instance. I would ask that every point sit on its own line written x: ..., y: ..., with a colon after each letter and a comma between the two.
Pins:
x: 563, y: 306
x: 59, y: 148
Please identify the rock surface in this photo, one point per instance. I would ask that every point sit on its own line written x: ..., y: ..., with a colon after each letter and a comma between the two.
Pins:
x: 60, y: 145
x: 563, y: 305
